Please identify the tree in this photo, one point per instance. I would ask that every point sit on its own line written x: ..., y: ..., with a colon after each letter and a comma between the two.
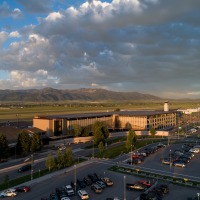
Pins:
x: 4, y: 149
x: 60, y: 160
x: 100, y: 132
x: 101, y: 147
x: 153, y: 131
x: 131, y: 139
x: 36, y: 143
x: 23, y: 143
x: 128, y: 126
x: 76, y: 130
x: 50, y: 163
x: 85, y: 131
x: 68, y: 156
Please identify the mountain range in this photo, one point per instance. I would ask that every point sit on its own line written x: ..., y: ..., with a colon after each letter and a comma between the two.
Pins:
x: 83, y: 94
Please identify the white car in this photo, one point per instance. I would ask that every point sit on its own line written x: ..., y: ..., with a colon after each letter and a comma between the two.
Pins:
x: 194, y: 150
x: 83, y: 194
x: 69, y: 190
x: 8, y: 193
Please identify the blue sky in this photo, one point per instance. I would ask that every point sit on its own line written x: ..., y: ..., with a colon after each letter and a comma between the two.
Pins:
x: 147, y: 46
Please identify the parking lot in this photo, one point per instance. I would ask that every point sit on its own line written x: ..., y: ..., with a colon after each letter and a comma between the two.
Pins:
x: 46, y: 187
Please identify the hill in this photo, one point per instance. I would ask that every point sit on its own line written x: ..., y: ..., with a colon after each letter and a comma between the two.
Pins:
x: 55, y: 95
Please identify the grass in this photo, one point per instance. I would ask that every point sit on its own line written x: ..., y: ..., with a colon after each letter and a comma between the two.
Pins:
x: 12, y: 111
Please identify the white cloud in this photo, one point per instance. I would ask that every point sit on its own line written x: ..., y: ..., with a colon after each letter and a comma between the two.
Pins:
x: 54, y: 16
x: 14, y: 34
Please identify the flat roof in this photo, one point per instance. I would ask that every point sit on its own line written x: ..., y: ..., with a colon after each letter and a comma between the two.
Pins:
x: 106, y: 114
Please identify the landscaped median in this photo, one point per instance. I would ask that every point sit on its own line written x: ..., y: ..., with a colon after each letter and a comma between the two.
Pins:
x: 167, y: 178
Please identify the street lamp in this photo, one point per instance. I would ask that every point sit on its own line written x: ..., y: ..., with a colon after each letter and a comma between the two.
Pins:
x: 124, y: 187
x: 198, y: 194
x: 75, y: 178
x: 170, y: 159
x: 32, y: 166
x: 93, y: 149
x: 131, y: 154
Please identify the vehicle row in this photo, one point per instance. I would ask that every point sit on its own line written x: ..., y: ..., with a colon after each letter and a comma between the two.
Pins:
x: 157, y: 193
x: 12, y: 192
x: 139, y: 156
x: 180, y: 157
x: 78, y: 187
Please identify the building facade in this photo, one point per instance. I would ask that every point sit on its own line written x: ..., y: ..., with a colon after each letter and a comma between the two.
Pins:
x: 123, y: 120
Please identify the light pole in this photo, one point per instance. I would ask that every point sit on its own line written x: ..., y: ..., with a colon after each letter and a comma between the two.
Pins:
x: 170, y: 159
x: 124, y: 187
x: 93, y: 149
x: 198, y: 194
x: 32, y: 166
x: 75, y: 178
x: 131, y: 154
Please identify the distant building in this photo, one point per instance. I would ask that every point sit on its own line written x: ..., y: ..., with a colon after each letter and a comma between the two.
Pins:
x: 189, y: 111
x: 57, y: 125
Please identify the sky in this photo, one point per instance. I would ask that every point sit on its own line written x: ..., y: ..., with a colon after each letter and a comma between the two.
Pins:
x: 146, y: 46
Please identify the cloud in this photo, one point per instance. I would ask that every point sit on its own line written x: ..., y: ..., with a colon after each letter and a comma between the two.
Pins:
x: 128, y: 45
x: 34, y: 6
x: 5, y: 11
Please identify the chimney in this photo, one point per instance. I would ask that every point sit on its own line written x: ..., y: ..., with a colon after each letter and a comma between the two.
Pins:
x: 166, y: 106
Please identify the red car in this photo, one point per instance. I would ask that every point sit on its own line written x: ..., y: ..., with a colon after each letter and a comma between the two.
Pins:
x: 23, y: 188
x: 147, y: 183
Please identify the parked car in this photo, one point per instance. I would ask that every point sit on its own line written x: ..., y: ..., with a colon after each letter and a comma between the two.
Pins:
x: 133, y: 162
x: 179, y: 163
x: 75, y: 187
x: 165, y: 161
x: 161, y: 145
x: 8, y: 193
x: 83, y: 194
x: 93, y: 178
x: 194, y: 150
x: 81, y: 183
x: 69, y: 190
x: 53, y: 196
x: 164, y: 187
x: 61, y: 193
x: 107, y: 181
x: 101, y: 184
x: 96, y: 188
x: 146, y: 183
x: 23, y: 188
x: 25, y: 168
x: 135, y: 186
x: 87, y: 181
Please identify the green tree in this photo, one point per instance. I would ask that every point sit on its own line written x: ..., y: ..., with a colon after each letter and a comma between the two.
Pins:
x: 76, y: 130
x: 60, y: 159
x: 68, y: 157
x: 101, y: 147
x: 130, y: 139
x: 100, y: 132
x: 4, y: 149
x: 85, y: 131
x: 36, y: 143
x: 23, y: 143
x: 50, y: 163
x: 128, y: 126
x: 152, y: 131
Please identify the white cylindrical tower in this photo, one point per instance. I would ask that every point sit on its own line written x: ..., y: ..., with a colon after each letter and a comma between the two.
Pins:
x: 166, y: 106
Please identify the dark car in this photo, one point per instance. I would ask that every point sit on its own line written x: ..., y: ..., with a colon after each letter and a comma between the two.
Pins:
x: 151, y: 195
x: 23, y: 188
x: 166, y: 161
x: 81, y: 183
x: 61, y: 192
x: 75, y: 187
x: 87, y: 181
x: 93, y: 178
x: 164, y: 187
x: 135, y: 186
x: 53, y: 196
x: 132, y: 162
x: 24, y: 168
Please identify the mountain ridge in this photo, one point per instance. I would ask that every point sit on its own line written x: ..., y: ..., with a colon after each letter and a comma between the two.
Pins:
x: 84, y: 94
